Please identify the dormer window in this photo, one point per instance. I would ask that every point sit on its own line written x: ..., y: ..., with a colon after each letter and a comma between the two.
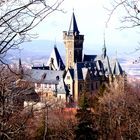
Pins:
x: 68, y: 77
x: 57, y: 78
x: 52, y: 60
x: 44, y: 76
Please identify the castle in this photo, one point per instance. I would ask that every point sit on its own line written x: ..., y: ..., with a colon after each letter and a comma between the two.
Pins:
x: 80, y: 71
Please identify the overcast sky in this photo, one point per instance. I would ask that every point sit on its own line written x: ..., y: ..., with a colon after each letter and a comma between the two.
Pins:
x: 91, y: 17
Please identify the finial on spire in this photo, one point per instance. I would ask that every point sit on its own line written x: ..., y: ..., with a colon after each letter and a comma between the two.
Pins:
x: 116, y: 54
x: 73, y: 10
x: 73, y: 25
x: 104, y: 40
x: 55, y: 42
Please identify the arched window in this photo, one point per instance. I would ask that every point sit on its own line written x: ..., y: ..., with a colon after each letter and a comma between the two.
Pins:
x: 44, y: 76
x: 92, y: 86
x: 80, y: 87
x: 57, y: 78
x: 96, y: 85
x: 68, y: 85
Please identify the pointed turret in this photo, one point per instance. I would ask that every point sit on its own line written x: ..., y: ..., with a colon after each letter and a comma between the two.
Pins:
x: 73, y: 29
x: 104, y: 49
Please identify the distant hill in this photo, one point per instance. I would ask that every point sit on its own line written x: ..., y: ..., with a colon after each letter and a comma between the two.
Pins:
x: 37, y: 52
x: 39, y: 48
x: 34, y: 50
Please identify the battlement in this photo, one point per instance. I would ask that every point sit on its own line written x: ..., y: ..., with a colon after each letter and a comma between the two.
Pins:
x: 71, y: 36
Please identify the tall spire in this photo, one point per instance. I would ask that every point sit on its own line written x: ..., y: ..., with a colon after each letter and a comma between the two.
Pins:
x: 73, y: 43
x: 104, y: 48
x: 116, y: 54
x: 73, y: 25
x: 104, y: 40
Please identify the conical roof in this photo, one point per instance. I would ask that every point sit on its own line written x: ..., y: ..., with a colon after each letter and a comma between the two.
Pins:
x: 104, y: 49
x: 73, y: 25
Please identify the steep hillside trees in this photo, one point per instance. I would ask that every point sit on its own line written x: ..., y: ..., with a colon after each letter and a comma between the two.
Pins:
x: 17, y: 19
x: 12, y: 116
x: 118, y: 114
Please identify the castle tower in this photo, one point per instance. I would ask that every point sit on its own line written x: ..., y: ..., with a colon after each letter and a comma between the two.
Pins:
x: 73, y: 42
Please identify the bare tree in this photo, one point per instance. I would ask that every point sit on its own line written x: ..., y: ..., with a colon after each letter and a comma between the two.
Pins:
x: 12, y: 118
x: 52, y: 123
x: 18, y: 18
x: 118, y: 114
x: 130, y: 12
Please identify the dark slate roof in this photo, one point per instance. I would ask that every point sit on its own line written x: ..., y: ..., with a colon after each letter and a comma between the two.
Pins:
x: 47, y: 77
x: 89, y: 58
x: 111, y: 66
x: 73, y: 25
x: 57, y: 60
x: 44, y: 76
x: 81, y: 70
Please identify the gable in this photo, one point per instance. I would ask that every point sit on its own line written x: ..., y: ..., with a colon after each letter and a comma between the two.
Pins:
x: 56, y: 59
x: 68, y: 76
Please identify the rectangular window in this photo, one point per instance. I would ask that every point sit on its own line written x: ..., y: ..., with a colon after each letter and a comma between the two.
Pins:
x: 60, y: 97
x: 68, y: 77
x: 80, y: 87
x: 87, y: 86
x: 46, y: 94
x: 92, y: 86
x: 68, y: 85
x: 38, y: 85
x: 49, y: 85
x: 45, y: 85
x: 96, y: 85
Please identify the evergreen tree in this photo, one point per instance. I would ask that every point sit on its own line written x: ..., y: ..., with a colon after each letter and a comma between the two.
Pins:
x: 84, y: 129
